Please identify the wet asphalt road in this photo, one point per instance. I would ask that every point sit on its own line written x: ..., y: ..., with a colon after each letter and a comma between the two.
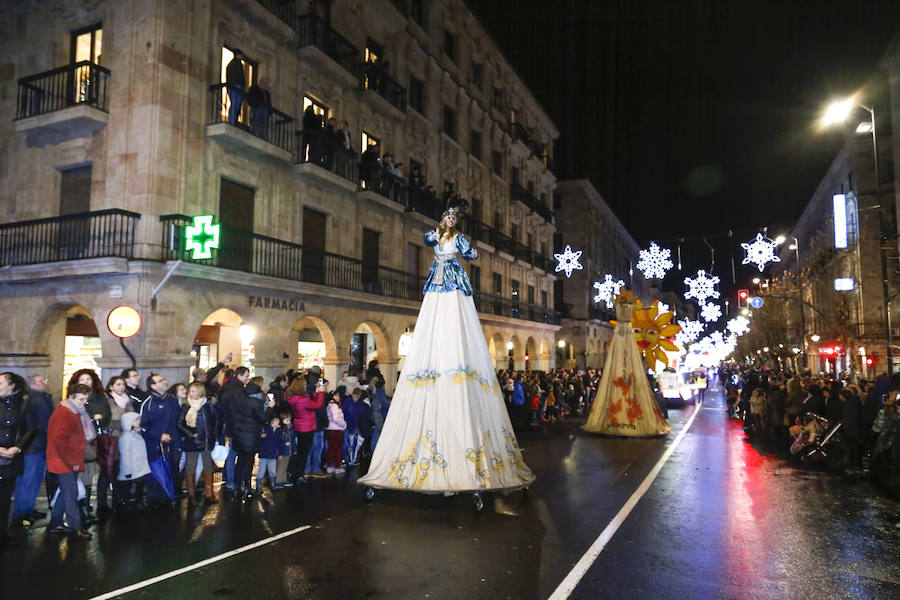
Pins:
x: 722, y: 520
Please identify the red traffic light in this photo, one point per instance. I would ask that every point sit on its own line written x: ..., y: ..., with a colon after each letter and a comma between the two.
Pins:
x: 743, y: 296
x: 870, y: 361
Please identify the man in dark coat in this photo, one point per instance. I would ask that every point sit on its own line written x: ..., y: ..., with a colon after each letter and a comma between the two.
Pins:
x: 28, y: 485
x: 16, y: 434
x: 260, y: 102
x: 159, y: 423
x: 248, y: 409
x: 236, y: 84
x: 232, y: 391
x: 133, y: 388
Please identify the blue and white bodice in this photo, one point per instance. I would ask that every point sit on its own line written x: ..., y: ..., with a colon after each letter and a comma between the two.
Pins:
x: 446, y: 274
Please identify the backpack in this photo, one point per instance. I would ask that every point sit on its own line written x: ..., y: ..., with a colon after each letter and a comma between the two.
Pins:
x: 322, y: 417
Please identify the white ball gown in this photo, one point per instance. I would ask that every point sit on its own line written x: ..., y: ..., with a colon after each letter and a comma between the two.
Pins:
x: 447, y: 430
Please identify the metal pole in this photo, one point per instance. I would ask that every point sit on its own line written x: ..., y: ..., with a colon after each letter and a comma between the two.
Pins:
x: 802, y: 311
x: 882, y: 241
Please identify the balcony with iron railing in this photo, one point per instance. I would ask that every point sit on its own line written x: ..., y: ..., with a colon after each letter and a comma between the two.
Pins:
x: 64, y: 103
x: 255, y: 132
x: 263, y: 255
x: 389, y: 96
x: 324, y: 47
x: 482, y: 232
x: 320, y: 157
x: 519, y: 132
x: 285, y: 10
x: 517, y: 193
x: 97, y: 234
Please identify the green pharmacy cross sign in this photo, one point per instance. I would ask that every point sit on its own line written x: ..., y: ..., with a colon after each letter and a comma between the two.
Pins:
x: 201, y: 237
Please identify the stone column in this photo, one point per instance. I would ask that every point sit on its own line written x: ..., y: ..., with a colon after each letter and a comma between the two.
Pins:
x: 333, y: 372
x: 390, y: 369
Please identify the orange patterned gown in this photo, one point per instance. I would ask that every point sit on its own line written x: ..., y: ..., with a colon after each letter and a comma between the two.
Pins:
x: 625, y: 404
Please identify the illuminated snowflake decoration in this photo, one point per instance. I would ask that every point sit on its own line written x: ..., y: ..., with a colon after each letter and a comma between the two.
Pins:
x: 655, y: 261
x: 716, y: 337
x: 690, y: 331
x: 760, y: 252
x: 607, y: 290
x: 568, y: 261
x: 663, y: 307
x: 711, y: 312
x: 701, y: 287
x: 738, y: 326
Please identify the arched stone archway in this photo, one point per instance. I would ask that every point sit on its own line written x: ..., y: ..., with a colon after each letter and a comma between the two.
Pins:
x: 224, y: 336
x: 544, y: 355
x: 531, y: 354
x: 313, y: 343
x: 70, y: 338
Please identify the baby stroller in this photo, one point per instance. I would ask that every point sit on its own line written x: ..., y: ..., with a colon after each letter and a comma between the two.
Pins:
x: 816, y: 440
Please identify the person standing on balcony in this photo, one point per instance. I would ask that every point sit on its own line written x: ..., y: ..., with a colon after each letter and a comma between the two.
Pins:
x: 260, y: 102
x: 329, y: 143
x: 346, y: 138
x: 236, y: 84
x: 370, y: 164
x: 312, y: 135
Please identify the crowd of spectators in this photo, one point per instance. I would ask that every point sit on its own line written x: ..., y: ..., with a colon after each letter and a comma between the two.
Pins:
x: 145, y: 448
x: 124, y: 448
x: 863, y: 411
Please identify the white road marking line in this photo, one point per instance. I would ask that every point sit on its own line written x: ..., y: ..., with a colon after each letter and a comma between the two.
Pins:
x: 202, y: 563
x: 567, y: 585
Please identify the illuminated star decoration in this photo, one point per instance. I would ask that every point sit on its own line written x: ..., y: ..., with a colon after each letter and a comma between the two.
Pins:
x: 701, y: 287
x: 738, y: 326
x: 760, y: 252
x: 711, y: 312
x: 607, y: 290
x: 568, y: 261
x: 654, y: 262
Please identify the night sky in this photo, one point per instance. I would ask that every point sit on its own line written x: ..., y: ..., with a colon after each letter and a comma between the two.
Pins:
x: 696, y: 117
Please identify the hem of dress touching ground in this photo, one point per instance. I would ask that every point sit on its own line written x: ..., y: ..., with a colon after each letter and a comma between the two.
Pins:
x: 502, y: 490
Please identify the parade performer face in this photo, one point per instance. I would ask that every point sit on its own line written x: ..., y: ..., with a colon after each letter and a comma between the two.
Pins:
x: 652, y: 332
x: 450, y: 221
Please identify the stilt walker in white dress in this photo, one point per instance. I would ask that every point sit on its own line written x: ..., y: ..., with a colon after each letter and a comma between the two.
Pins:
x: 447, y: 430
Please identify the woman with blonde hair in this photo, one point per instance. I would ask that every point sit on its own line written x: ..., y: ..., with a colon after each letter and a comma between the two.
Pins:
x: 198, y: 426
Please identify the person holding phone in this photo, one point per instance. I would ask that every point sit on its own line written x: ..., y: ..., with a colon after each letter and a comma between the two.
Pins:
x: 304, y: 409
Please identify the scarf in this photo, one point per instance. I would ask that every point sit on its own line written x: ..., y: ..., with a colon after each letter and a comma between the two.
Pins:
x: 195, y: 405
x: 87, y: 426
x: 121, y: 401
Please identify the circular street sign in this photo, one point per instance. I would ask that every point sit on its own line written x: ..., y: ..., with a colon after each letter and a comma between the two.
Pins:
x: 123, y: 321
x: 756, y: 302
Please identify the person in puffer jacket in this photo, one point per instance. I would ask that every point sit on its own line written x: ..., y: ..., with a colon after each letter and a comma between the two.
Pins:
x: 134, y: 469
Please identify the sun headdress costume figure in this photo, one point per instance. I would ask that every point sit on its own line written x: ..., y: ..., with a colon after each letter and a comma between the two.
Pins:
x: 448, y: 430
x: 625, y: 404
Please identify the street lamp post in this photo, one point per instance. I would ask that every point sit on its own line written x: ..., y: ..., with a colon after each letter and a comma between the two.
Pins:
x: 796, y: 248
x: 838, y: 112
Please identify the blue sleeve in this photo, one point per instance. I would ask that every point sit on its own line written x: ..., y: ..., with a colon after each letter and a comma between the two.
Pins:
x: 151, y: 424
x: 465, y: 247
x: 431, y: 238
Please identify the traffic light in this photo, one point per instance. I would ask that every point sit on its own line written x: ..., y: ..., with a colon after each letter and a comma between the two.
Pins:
x: 743, y: 297
x: 870, y: 361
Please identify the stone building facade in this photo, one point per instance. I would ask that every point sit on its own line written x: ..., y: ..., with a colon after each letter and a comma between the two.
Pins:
x: 853, y: 320
x: 587, y: 223
x: 115, y: 130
